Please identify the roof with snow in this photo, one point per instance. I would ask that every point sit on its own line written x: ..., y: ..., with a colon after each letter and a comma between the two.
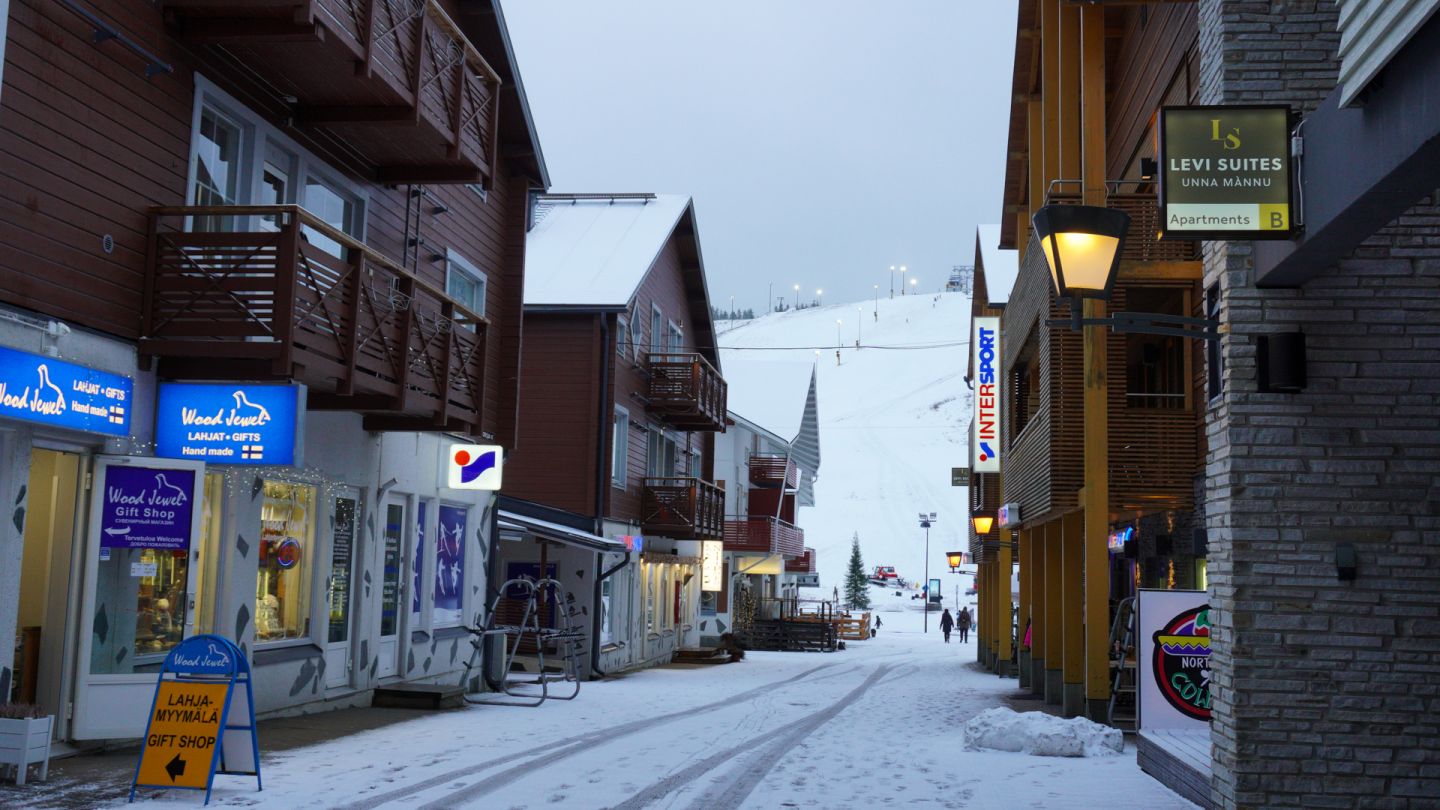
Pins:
x: 770, y: 393
x: 1000, y: 267
x: 595, y: 250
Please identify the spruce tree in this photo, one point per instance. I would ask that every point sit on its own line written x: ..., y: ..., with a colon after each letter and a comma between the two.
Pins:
x: 857, y: 585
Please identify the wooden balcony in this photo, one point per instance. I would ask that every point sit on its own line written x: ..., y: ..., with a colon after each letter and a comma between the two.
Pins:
x: 804, y: 564
x: 1142, y: 241
x: 770, y: 471
x: 683, y: 508
x: 764, y: 535
x: 248, y: 292
x: 395, y: 79
x: 686, y: 391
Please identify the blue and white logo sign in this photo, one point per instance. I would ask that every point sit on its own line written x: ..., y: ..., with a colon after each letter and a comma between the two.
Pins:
x: 54, y: 392
x: 474, y: 466
x: 228, y: 424
x: 146, y: 507
x: 203, y: 655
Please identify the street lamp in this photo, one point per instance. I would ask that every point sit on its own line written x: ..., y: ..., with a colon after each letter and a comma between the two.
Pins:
x: 926, y: 521
x: 838, y: 322
x: 892, y: 281
x: 902, y: 279
x: 859, y: 325
x: 954, y: 558
x: 819, y: 297
x: 877, y: 301
x: 797, y: 296
x: 982, y: 521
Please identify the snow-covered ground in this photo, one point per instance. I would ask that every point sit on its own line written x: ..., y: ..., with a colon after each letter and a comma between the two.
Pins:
x: 879, y: 724
x: 893, y: 422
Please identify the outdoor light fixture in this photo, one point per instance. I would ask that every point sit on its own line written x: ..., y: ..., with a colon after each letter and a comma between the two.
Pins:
x: 954, y: 558
x: 1082, y: 246
x: 982, y: 521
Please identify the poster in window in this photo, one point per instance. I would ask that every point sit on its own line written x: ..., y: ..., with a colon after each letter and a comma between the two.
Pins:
x: 341, y: 551
x: 450, y: 564
x: 419, y: 563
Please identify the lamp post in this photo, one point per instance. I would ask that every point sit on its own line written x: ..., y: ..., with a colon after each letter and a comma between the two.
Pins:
x: 797, y: 296
x: 877, y: 301
x: 892, y: 281
x: 926, y: 521
x: 819, y: 298
x: 838, y: 323
x: 913, y: 282
x: 731, y: 314
x: 902, y: 279
x: 859, y: 326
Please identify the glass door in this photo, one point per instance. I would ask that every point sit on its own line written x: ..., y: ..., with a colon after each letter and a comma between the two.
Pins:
x: 140, y: 571
x: 392, y: 550
x: 339, y: 587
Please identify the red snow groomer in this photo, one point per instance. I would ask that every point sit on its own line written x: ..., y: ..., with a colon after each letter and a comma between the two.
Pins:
x: 884, y: 575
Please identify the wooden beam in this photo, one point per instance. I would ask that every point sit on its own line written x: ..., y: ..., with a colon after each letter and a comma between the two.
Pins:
x: 1054, y: 614
x: 1096, y: 499
x: 1003, y: 638
x: 1039, y: 592
x: 1069, y: 71
x: 321, y: 115
x: 1072, y: 555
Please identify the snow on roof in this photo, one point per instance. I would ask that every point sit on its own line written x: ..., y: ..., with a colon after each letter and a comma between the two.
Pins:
x: 770, y: 393
x: 596, y: 251
x: 1001, y: 266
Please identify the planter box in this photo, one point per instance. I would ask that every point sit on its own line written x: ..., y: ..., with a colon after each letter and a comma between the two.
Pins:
x: 25, y: 742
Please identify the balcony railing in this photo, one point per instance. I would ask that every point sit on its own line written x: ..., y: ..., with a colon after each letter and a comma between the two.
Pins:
x: 773, y: 471
x: 246, y: 284
x: 764, y: 535
x: 683, y: 508
x: 686, y: 391
x: 804, y: 564
x: 396, y: 79
x: 1142, y: 241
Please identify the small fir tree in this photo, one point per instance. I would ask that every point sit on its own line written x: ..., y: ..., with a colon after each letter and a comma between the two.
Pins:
x: 857, y: 585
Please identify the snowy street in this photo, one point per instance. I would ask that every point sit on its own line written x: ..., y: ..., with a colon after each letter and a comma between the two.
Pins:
x: 876, y: 725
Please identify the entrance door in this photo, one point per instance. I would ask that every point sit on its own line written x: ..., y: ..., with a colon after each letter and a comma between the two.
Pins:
x: 339, y: 587
x: 43, y: 617
x: 392, y: 550
x: 140, y: 568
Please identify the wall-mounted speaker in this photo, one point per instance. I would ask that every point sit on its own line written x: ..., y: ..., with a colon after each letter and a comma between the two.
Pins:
x: 1280, y: 361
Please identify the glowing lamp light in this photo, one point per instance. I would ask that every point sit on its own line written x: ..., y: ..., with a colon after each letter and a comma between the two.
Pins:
x: 1082, y: 245
x: 953, y: 558
x: 982, y: 521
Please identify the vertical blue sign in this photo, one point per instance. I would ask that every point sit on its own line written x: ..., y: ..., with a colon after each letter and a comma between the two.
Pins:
x: 53, y: 392
x: 228, y: 424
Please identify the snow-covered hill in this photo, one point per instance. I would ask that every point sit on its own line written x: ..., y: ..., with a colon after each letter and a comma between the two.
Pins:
x: 892, y: 424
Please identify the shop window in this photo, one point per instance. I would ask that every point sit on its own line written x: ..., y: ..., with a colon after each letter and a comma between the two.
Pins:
x: 620, y: 449
x: 647, y: 584
x: 1214, y: 357
x: 287, y: 539
x: 1155, y: 364
x: 394, y: 543
x: 607, y: 619
x: 417, y: 569
x: 449, y: 591
x: 622, y: 335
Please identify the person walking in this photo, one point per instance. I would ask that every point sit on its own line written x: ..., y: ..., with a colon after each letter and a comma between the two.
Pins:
x: 964, y: 625
x: 947, y: 623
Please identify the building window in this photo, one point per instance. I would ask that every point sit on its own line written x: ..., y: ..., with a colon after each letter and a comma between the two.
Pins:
x: 287, y: 545
x: 607, y: 632
x: 648, y: 576
x: 465, y: 283
x: 1214, y: 357
x: 664, y: 458
x: 657, y: 329
x: 622, y: 335
x: 1155, y: 364
x: 674, y: 337
x: 450, y: 538
x: 238, y: 158
x: 1025, y: 386
x: 620, y: 449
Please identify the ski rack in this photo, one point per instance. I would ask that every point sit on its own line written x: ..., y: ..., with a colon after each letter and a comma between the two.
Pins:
x: 521, y: 691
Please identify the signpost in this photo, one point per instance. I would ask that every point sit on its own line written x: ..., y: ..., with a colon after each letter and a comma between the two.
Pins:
x: 48, y: 391
x: 230, y: 424
x: 959, y: 476
x: 201, y: 722
x: 1225, y: 172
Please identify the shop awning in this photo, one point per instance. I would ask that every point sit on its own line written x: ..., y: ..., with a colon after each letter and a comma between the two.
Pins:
x: 514, y: 526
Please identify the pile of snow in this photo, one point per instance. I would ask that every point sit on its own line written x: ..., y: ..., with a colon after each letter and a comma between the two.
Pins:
x: 1041, y: 735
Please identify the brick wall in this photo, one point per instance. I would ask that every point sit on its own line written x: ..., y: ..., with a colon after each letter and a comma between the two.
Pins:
x: 1325, y: 693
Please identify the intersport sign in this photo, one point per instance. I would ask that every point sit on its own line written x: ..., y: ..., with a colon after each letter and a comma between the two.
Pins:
x: 985, y: 439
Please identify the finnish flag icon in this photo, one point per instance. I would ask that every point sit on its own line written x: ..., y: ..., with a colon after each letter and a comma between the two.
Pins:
x: 474, y: 466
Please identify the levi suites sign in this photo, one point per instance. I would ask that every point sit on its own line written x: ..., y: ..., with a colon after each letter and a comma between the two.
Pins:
x: 1225, y: 172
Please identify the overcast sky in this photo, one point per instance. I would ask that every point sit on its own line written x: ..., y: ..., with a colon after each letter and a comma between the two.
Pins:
x: 822, y: 140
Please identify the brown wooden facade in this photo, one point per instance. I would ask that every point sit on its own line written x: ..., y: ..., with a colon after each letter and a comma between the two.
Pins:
x: 578, y: 373
x: 97, y: 170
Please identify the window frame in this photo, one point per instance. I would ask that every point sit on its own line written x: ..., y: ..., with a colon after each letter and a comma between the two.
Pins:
x: 622, y: 335
x: 1186, y: 372
x: 620, y: 449
x: 657, y: 325
x: 315, y: 585
x: 456, y: 262
x: 256, y: 133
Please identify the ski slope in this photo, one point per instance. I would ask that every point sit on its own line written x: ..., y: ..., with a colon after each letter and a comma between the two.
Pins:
x: 893, y: 422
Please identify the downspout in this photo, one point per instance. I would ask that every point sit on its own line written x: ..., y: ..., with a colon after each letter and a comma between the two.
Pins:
x: 595, y: 669
x: 603, y: 422
x: 492, y: 566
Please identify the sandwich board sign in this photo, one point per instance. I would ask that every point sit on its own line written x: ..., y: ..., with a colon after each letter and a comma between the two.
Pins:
x: 1173, y: 666
x: 201, y: 722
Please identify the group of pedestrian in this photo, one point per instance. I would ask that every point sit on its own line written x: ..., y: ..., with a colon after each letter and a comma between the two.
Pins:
x: 950, y: 623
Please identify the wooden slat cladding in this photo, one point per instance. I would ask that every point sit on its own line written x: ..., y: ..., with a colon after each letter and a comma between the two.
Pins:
x: 766, y: 535
x: 555, y: 458
x: 1149, y: 57
x: 88, y: 146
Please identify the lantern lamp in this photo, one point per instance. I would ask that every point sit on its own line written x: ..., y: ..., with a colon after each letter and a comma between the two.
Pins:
x: 1082, y: 245
x: 954, y: 558
x: 982, y: 521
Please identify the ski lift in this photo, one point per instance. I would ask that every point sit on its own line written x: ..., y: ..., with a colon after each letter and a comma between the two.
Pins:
x: 525, y: 688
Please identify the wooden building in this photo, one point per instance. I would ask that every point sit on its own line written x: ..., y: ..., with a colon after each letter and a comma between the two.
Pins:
x: 1087, y: 87
x: 621, y: 395
x: 319, y: 194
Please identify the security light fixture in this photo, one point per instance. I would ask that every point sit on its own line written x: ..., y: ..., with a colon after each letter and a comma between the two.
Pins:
x: 982, y: 521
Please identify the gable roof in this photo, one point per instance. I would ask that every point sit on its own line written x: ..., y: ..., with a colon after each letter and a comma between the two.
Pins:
x: 593, y: 251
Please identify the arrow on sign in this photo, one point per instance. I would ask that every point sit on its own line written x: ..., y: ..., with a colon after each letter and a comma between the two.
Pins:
x: 175, y: 767
x: 113, y: 532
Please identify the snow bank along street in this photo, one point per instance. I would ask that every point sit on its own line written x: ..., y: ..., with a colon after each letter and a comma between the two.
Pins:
x: 878, y: 724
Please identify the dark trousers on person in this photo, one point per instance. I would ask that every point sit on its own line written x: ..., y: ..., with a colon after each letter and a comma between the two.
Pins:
x: 964, y: 634
x: 947, y: 636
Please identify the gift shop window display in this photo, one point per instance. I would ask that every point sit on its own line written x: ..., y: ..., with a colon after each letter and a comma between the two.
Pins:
x: 287, y: 539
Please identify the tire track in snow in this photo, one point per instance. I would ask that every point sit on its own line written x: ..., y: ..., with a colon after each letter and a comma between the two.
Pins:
x: 566, y: 747
x: 768, y: 754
